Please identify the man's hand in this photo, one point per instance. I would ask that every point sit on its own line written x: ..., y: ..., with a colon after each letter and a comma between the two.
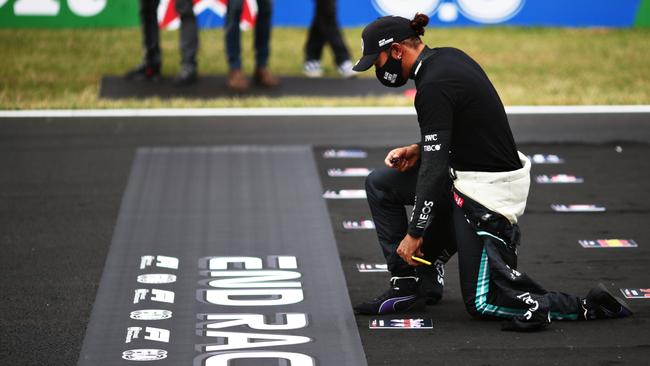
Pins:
x: 403, y: 158
x: 409, y: 247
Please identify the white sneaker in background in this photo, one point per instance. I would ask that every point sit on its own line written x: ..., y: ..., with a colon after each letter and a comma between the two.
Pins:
x: 312, y: 69
x: 345, y: 69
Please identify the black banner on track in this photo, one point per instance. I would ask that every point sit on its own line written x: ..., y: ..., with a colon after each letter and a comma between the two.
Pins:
x: 223, y: 256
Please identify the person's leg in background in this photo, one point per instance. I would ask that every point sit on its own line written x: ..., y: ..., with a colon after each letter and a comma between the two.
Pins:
x: 149, y: 69
x: 314, y: 45
x: 330, y: 31
x: 262, y: 75
x: 188, y: 43
x: 388, y: 191
x: 236, y: 79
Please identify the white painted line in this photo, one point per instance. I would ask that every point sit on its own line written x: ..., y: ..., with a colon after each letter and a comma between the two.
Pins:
x: 304, y: 111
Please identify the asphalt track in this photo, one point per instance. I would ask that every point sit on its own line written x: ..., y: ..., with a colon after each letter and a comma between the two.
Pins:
x: 63, y: 180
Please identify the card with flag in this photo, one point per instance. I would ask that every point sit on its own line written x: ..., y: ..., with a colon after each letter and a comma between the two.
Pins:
x: 636, y: 293
x: 359, y: 225
x: 558, y: 179
x: 608, y: 243
x: 344, y: 154
x: 345, y: 194
x: 545, y: 159
x: 577, y: 208
x: 401, y: 324
x: 368, y: 267
x: 348, y: 172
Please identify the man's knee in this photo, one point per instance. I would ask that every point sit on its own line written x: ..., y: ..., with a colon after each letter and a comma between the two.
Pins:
x: 374, y: 182
x: 472, y: 311
x: 371, y: 180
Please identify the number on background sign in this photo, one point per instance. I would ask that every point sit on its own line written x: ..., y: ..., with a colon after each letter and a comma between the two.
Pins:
x: 82, y: 8
x: 405, y: 9
x: 490, y: 11
x: 87, y: 8
x: 37, y: 7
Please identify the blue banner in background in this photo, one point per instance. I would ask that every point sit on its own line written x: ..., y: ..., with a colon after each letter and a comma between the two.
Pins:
x: 351, y: 13
x: 563, y: 13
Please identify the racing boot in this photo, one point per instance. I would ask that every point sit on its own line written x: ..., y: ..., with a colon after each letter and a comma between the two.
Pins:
x: 600, y: 304
x: 431, y: 281
x: 401, y: 295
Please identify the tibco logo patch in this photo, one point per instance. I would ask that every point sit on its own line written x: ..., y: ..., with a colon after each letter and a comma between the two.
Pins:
x: 430, y: 148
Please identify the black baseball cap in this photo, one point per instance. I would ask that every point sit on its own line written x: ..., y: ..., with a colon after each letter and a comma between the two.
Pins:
x: 379, y: 35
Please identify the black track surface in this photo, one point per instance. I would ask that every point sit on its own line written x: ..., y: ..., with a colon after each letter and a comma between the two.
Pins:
x: 550, y: 253
x: 62, y: 180
x: 115, y: 87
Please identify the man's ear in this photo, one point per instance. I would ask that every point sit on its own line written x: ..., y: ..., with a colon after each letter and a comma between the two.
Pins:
x: 396, y: 51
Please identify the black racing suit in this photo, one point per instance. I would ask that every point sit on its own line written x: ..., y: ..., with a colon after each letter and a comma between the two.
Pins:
x: 464, y: 126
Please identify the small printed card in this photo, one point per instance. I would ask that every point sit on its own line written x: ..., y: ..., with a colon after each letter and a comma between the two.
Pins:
x: 401, y: 324
x: 608, y: 243
x: 344, y: 154
x: 545, y: 159
x: 558, y: 179
x: 577, y: 208
x: 359, y: 225
x: 367, y: 267
x: 636, y: 293
x: 349, y: 172
x: 345, y: 194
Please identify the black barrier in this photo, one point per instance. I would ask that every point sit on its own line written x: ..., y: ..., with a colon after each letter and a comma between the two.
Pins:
x: 223, y: 256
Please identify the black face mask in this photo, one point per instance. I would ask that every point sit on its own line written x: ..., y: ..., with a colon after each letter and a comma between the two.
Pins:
x: 391, y: 73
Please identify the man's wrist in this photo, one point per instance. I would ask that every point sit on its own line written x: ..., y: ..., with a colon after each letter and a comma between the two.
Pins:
x: 414, y: 233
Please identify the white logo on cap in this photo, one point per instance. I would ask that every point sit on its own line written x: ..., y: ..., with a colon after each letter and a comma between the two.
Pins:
x: 362, y: 46
x: 383, y: 42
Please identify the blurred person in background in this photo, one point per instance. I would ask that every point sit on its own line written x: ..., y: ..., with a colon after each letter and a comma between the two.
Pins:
x: 237, y: 81
x: 325, y: 29
x: 150, y: 67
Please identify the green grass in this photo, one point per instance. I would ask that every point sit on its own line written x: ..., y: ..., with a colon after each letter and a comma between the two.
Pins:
x: 529, y: 66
